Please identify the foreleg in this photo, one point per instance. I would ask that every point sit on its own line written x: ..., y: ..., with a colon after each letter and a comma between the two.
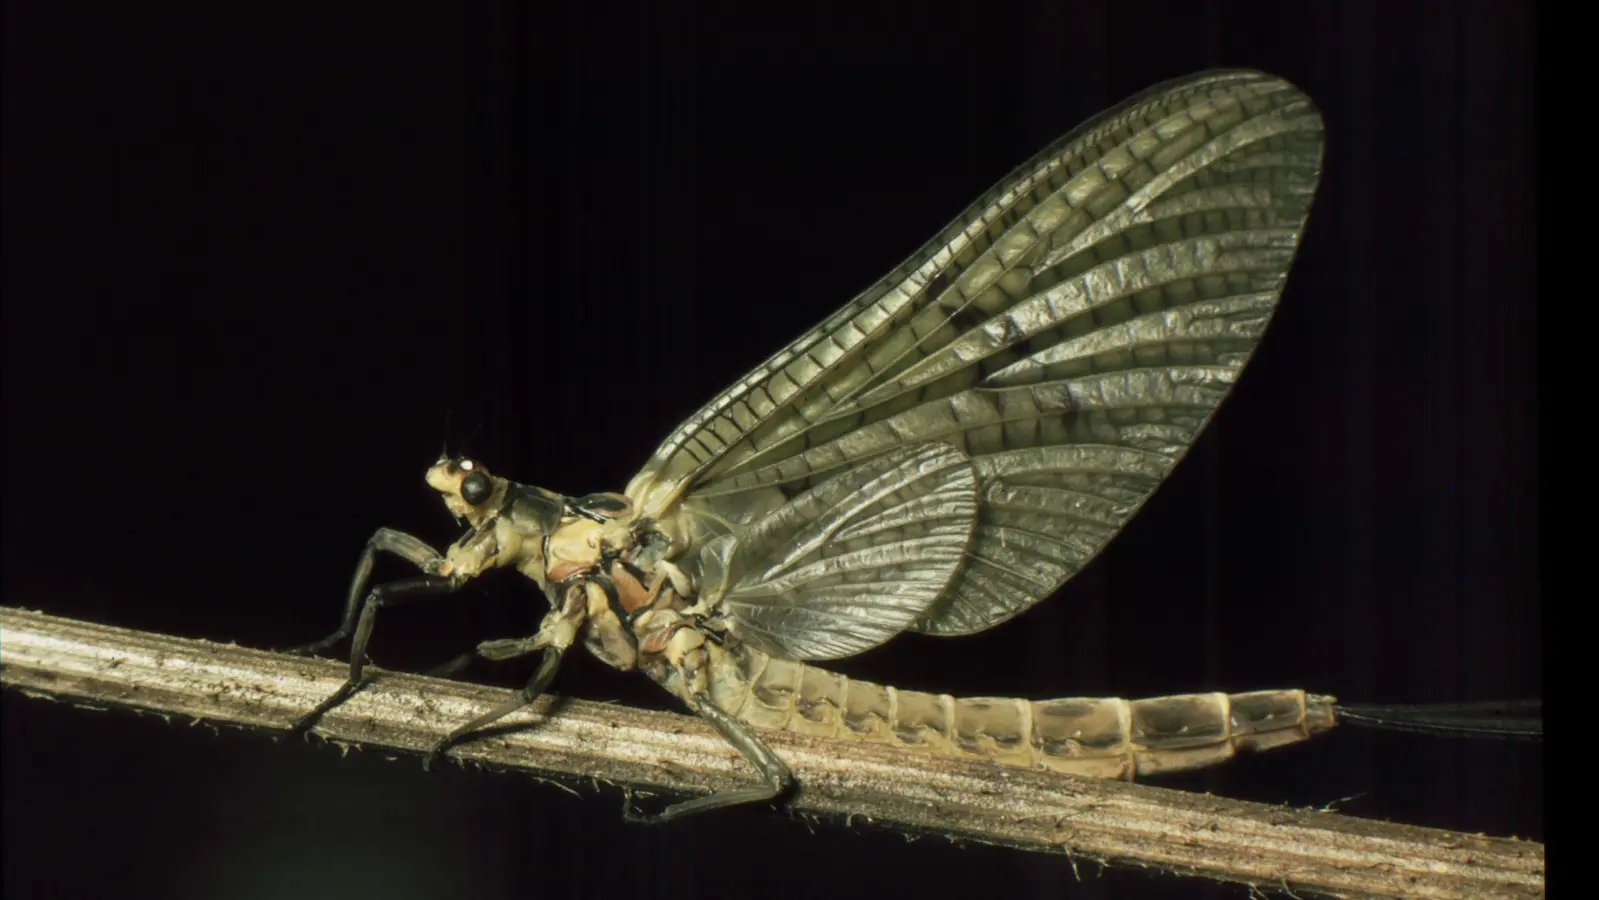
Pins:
x: 408, y: 547
x: 396, y: 592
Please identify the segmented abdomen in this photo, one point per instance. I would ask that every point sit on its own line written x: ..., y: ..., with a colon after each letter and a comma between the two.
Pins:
x: 1104, y: 737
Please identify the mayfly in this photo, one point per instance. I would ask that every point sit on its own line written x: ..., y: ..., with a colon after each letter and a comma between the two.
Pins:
x: 939, y: 455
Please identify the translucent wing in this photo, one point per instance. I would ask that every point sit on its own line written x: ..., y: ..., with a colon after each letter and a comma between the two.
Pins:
x: 851, y: 562
x: 1071, y: 333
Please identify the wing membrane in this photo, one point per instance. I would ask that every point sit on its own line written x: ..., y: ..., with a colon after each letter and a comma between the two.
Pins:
x: 851, y: 562
x: 1071, y: 334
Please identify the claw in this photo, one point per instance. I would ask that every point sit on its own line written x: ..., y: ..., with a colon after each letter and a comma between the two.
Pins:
x: 307, y: 721
x: 633, y: 816
x: 498, y: 651
x: 438, y: 751
x: 314, y: 648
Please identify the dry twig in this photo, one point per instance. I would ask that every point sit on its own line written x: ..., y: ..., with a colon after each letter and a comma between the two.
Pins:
x: 1306, y: 852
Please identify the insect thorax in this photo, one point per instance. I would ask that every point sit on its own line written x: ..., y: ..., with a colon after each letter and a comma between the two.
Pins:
x: 609, y: 575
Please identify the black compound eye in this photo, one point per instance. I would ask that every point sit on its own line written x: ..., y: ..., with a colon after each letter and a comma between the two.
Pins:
x: 475, y: 488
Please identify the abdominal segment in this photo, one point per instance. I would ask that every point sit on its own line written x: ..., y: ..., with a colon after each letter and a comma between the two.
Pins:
x: 1101, y: 737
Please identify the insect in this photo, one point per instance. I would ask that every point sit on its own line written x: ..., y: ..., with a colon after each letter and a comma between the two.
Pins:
x: 937, y: 456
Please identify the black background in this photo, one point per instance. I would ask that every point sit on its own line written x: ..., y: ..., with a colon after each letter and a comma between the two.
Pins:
x: 253, y: 255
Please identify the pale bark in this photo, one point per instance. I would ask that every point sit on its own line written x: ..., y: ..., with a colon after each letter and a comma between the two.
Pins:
x: 1274, y: 849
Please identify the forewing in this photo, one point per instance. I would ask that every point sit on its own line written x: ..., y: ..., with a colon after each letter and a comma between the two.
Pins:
x: 850, y: 562
x: 1071, y: 333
